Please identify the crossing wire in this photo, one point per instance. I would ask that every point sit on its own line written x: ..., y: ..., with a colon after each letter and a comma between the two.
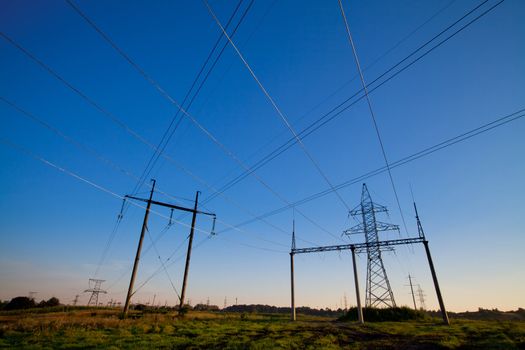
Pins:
x: 123, y: 125
x: 427, y: 151
x: 227, y: 151
x: 340, y: 88
x: 89, y: 182
x: 160, y: 259
x: 372, y: 114
x: 103, y: 189
x: 165, y: 138
x: 275, y: 106
x: 340, y: 108
x: 98, y: 156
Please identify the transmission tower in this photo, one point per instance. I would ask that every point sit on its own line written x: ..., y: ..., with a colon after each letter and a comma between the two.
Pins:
x: 75, y: 301
x: 378, y: 290
x: 421, y: 297
x: 94, y: 289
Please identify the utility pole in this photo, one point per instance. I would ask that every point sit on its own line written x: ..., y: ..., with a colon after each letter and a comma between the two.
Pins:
x: 357, y: 295
x: 139, y: 248
x: 292, y: 307
x: 75, y: 301
x: 188, y: 254
x: 370, y: 226
x: 194, y: 211
x: 412, y: 291
x: 444, y: 314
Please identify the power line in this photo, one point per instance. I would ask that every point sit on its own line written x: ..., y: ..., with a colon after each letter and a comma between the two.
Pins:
x: 91, y: 151
x: 340, y: 108
x: 121, y: 124
x: 372, y: 114
x: 162, y: 262
x: 274, y: 105
x: 165, y: 138
x: 370, y: 65
x: 89, y: 182
x: 173, y: 101
x: 402, y: 161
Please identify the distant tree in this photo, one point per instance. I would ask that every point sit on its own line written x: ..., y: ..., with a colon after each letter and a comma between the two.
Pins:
x: 50, y: 302
x: 205, y: 307
x: 18, y: 303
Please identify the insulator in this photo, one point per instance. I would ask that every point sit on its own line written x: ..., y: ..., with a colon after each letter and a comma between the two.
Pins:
x: 213, y: 226
x: 171, y: 218
x: 121, y: 214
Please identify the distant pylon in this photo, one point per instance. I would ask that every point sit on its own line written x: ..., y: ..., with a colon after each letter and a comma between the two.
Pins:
x: 94, y: 289
x: 378, y: 290
x: 421, y: 297
x: 75, y: 301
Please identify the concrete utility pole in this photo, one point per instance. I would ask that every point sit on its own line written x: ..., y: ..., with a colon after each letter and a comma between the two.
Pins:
x: 357, y: 294
x: 444, y: 314
x: 412, y: 291
x: 188, y: 255
x: 194, y: 211
x: 292, y: 307
x: 421, y: 233
x: 379, y: 244
x: 139, y: 248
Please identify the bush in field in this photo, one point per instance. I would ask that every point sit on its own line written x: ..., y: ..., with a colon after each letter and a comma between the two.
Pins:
x: 205, y: 307
x: 49, y: 303
x: 382, y: 315
x: 18, y: 303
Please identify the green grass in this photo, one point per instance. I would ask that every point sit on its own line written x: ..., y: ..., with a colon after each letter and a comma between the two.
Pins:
x: 88, y: 329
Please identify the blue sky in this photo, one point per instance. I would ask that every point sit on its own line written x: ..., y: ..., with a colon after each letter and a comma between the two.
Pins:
x: 53, y: 227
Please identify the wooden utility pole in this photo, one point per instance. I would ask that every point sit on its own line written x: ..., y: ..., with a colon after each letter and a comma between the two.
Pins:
x: 139, y: 248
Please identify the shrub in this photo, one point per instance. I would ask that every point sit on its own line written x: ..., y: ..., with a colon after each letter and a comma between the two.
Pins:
x: 18, y: 303
x: 49, y: 303
x: 383, y: 315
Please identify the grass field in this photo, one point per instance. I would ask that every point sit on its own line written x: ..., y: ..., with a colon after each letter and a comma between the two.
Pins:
x: 79, y: 329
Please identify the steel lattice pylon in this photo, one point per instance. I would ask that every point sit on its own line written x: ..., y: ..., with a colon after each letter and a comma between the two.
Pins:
x: 95, y: 290
x: 378, y: 290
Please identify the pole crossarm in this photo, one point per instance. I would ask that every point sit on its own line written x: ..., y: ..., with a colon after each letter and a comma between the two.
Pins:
x: 358, y: 246
x: 172, y: 206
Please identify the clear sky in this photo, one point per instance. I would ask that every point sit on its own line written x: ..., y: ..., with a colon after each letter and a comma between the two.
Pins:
x: 54, y: 227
